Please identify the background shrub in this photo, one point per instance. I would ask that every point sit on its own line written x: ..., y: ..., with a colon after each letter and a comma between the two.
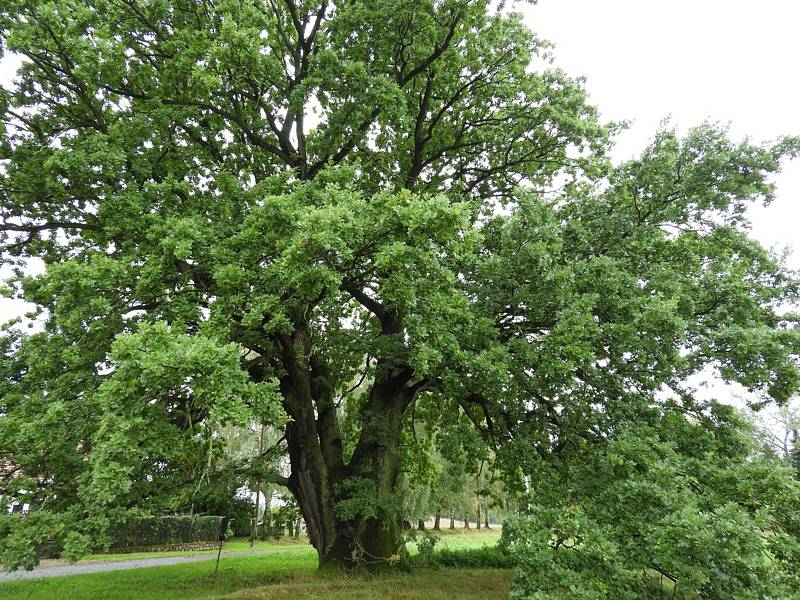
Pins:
x: 486, y: 557
x: 138, y: 532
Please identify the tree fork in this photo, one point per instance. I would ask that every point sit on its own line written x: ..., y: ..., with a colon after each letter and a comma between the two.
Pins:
x: 319, y: 478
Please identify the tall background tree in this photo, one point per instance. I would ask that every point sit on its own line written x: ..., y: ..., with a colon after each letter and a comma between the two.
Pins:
x: 776, y: 429
x: 323, y: 215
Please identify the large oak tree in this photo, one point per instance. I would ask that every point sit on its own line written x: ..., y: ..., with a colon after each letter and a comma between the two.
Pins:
x: 319, y: 214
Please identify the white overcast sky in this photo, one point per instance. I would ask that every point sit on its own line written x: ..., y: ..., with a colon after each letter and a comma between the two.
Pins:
x: 732, y: 61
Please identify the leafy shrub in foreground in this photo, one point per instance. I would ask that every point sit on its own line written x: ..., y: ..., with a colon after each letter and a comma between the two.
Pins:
x: 678, y: 508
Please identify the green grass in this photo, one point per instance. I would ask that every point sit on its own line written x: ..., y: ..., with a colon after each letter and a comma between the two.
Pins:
x: 421, y: 584
x: 193, y: 580
x: 454, y: 539
x: 461, y: 539
x: 234, y: 545
x: 281, y: 575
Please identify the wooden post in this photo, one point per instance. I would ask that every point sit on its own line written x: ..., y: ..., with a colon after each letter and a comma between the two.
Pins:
x: 254, y: 532
x: 222, y: 528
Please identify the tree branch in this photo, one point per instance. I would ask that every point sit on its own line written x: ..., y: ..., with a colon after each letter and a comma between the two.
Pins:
x: 49, y: 225
x: 372, y: 305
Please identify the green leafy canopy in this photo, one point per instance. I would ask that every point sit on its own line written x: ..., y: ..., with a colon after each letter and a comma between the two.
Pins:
x: 328, y: 216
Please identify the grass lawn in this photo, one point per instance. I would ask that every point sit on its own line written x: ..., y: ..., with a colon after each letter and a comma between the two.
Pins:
x: 461, y: 539
x: 422, y: 584
x: 281, y: 575
x: 234, y: 545
x: 452, y: 538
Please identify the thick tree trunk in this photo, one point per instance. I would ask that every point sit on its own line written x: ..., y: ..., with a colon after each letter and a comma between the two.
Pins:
x: 311, y: 482
x: 376, y: 459
x: 436, y: 521
x: 466, y: 521
x: 320, y: 481
x: 478, y: 520
x: 452, y: 522
x: 349, y: 508
x: 372, y: 542
x: 486, y: 517
x: 420, y: 525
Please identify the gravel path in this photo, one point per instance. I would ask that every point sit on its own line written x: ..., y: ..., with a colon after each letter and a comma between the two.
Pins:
x: 137, y: 563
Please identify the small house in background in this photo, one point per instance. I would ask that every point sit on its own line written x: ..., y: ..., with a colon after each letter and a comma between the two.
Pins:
x: 8, y: 471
